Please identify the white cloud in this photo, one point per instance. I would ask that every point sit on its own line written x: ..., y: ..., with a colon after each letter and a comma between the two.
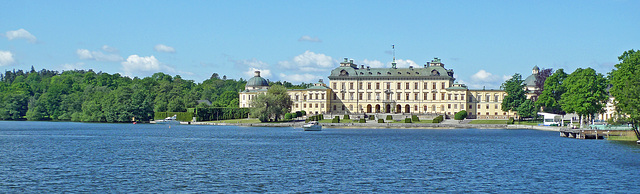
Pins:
x: 307, y: 78
x: 6, y: 58
x: 265, y: 73
x: 21, y: 33
x: 145, y: 65
x: 484, y: 79
x: 109, y: 49
x: 309, y: 39
x: 251, y: 63
x: 164, y: 48
x: 309, y: 61
x: 372, y: 64
x: 401, y: 63
x: 98, y: 56
x: 69, y: 66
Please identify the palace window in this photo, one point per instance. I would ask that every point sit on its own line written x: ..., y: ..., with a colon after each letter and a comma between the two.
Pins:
x: 415, y: 85
x: 496, y: 106
x: 478, y: 106
x: 388, y: 85
x: 433, y: 86
x: 449, y: 97
x: 487, y: 99
x: 470, y: 107
x: 343, y: 87
x: 377, y: 86
x: 334, y: 86
x: 407, y: 96
x: 433, y: 97
x: 368, y: 96
x: 406, y: 85
x: 462, y: 97
x: 369, y: 85
x: 360, y: 96
x: 316, y: 96
x: 398, y: 97
x: 455, y: 97
x: 343, y: 107
x: 487, y: 106
x: 360, y: 86
x: 424, y: 96
x: 399, y: 86
x: 351, y: 86
x: 425, y: 108
x: 425, y: 85
x: 495, y: 98
x: 415, y: 96
x: 455, y: 106
x: 342, y: 96
x: 442, y: 85
x: 442, y: 96
x: 448, y: 106
x: 415, y: 107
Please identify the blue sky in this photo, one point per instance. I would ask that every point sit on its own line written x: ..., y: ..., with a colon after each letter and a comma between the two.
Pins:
x: 484, y: 42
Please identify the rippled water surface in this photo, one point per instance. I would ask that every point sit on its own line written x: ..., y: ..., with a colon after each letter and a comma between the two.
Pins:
x: 81, y: 157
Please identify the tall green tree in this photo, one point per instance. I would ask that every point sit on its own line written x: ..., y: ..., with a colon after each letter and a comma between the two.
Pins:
x: 625, y: 81
x: 527, y: 109
x: 585, y: 93
x: 549, y: 99
x: 273, y: 104
x: 514, y: 88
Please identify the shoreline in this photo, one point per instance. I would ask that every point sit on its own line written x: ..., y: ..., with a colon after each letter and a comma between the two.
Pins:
x: 389, y: 125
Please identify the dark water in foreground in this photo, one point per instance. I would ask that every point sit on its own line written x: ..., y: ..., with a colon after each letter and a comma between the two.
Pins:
x: 80, y: 157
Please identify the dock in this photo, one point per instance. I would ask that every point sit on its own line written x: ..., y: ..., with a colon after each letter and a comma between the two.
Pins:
x: 592, y: 133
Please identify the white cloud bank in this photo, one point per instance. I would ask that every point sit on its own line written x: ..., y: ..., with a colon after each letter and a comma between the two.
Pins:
x: 143, y: 65
x: 21, y: 34
x: 307, y: 78
x: 98, y: 56
x: 69, y: 66
x: 265, y: 73
x: 308, y: 62
x: 372, y: 64
x: 484, y: 79
x: 109, y: 49
x: 6, y: 58
x: 306, y: 38
x: 164, y: 48
x: 401, y: 63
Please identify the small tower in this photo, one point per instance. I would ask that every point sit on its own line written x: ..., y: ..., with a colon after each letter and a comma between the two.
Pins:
x: 535, y: 70
x: 393, y: 64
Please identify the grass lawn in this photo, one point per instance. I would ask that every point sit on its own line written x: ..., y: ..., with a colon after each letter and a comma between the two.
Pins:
x: 488, y: 122
x: 253, y: 120
x: 623, y: 138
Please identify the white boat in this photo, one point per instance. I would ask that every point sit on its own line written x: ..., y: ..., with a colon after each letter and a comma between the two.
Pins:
x: 168, y: 120
x: 312, y: 126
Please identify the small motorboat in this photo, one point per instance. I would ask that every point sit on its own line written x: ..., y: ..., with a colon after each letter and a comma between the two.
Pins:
x: 169, y: 120
x: 312, y: 126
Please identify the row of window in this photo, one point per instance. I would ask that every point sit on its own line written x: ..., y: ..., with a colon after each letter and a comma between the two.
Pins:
x: 402, y: 96
x: 311, y: 97
x: 370, y: 85
x: 311, y: 105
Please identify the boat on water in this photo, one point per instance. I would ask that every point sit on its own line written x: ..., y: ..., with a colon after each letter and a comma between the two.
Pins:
x: 312, y: 126
x: 169, y: 120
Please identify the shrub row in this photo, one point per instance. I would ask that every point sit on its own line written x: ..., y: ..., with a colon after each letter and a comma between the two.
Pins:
x: 389, y: 117
x: 314, y: 118
x: 380, y: 121
x: 220, y: 113
x: 414, y: 118
x: 438, y: 119
x: 407, y: 120
x: 335, y: 119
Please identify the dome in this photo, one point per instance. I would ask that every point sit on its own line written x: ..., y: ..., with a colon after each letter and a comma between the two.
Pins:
x: 257, y: 81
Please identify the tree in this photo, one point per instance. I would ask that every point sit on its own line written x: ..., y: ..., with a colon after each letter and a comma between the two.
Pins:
x: 549, y: 99
x: 541, y: 77
x: 461, y: 115
x: 514, y: 88
x: 625, y: 81
x: 527, y: 109
x: 585, y: 93
x: 272, y: 104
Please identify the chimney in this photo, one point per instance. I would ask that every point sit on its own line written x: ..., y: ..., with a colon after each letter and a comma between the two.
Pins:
x: 425, y: 66
x: 361, y: 66
x: 257, y: 73
x: 346, y: 59
x: 351, y: 61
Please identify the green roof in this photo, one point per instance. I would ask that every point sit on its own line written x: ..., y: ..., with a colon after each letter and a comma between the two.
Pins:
x: 257, y: 81
x: 531, y: 80
x: 318, y: 88
x: 431, y: 72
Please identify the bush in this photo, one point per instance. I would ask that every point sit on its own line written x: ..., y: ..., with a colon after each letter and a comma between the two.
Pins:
x: 346, y: 117
x: 307, y: 120
x: 336, y: 119
x: 263, y: 118
x: 460, y: 115
x: 180, y: 116
x: 303, y: 113
x: 287, y: 116
x: 389, y: 117
x: 362, y: 120
x: 414, y: 118
x: 511, y: 120
x: 438, y: 119
x: 371, y: 117
x: 380, y: 121
x: 320, y: 117
x: 407, y: 120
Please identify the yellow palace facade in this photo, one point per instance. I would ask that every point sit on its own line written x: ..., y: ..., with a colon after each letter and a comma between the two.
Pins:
x: 426, y: 90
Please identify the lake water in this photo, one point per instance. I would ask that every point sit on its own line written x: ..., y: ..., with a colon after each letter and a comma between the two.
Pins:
x: 47, y: 157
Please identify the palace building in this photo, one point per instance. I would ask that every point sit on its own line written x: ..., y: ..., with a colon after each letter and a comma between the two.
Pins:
x: 426, y: 90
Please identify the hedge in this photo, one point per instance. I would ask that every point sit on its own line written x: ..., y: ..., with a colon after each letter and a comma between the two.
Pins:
x: 460, y: 115
x: 511, y: 120
x: 389, y: 117
x: 346, y: 117
x: 287, y: 116
x: 362, y: 120
x: 407, y: 120
x: 414, y: 118
x: 180, y: 116
x: 380, y: 121
x: 438, y: 119
x: 372, y: 117
x: 336, y: 119
x: 221, y: 113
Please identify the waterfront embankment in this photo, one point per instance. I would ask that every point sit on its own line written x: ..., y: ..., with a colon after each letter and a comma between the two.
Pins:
x: 390, y: 125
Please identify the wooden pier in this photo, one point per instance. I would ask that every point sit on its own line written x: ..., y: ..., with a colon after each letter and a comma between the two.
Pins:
x: 591, y: 133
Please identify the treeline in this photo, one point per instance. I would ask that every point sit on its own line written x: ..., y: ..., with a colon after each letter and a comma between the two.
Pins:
x: 87, y: 96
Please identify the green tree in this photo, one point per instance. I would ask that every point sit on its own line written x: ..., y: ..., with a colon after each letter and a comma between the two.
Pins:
x: 625, y: 86
x: 272, y: 104
x: 549, y: 100
x: 527, y: 109
x: 585, y: 93
x: 514, y: 88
